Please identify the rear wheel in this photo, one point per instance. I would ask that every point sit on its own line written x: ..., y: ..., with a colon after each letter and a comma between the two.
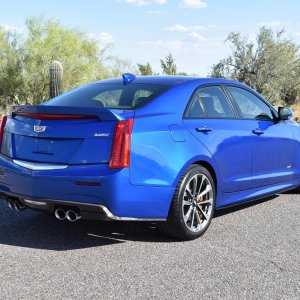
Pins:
x: 193, y: 205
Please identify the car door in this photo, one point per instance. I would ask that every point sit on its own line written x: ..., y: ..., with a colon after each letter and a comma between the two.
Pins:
x: 273, y: 146
x: 210, y: 117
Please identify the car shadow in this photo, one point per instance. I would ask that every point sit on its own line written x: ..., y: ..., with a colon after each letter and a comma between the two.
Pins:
x: 241, y: 206
x: 293, y: 191
x: 32, y: 229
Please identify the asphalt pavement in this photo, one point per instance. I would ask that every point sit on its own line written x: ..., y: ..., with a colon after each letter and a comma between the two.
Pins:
x: 249, y: 252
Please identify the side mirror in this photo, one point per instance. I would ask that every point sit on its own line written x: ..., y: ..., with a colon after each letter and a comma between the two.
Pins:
x: 284, y: 113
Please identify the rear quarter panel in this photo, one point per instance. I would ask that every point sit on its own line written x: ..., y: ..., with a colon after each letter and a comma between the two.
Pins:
x: 162, y: 149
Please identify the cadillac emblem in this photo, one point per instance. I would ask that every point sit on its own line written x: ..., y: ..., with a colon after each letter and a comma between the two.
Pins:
x: 39, y: 128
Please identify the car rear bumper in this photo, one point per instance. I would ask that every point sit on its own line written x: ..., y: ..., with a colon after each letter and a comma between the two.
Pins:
x: 87, y: 211
x: 95, y: 189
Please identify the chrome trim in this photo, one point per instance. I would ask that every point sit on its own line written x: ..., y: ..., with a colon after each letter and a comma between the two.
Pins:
x: 60, y: 214
x: 107, y: 212
x: 114, y: 217
x: 73, y: 218
x: 39, y: 166
x: 38, y: 203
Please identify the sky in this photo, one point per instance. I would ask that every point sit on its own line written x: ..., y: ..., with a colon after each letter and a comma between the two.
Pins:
x: 194, y: 31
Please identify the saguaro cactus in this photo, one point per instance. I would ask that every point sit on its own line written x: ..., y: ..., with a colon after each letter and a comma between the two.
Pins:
x: 56, y: 78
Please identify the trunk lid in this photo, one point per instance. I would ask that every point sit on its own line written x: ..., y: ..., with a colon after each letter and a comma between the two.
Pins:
x: 58, y: 134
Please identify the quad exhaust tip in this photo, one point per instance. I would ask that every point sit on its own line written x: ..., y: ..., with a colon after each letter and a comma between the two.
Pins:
x: 60, y: 214
x: 70, y: 215
x: 10, y: 204
x: 15, y: 205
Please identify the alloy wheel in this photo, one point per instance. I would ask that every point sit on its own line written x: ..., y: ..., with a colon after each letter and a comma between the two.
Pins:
x: 197, y: 203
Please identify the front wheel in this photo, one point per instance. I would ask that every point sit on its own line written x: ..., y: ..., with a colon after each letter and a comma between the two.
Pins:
x: 193, y: 205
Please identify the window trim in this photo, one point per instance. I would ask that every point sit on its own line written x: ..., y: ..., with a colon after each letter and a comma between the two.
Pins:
x: 273, y: 110
x: 229, y: 101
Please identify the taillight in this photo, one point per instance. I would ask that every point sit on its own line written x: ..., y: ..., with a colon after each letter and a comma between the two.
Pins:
x: 120, y: 154
x: 53, y: 116
x: 3, y: 122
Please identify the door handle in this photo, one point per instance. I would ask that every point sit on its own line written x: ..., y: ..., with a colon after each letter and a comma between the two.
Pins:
x: 203, y: 129
x: 257, y: 131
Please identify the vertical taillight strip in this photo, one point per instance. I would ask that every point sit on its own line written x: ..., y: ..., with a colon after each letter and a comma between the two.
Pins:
x: 120, y: 153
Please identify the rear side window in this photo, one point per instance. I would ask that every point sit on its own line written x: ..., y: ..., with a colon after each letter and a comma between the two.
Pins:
x: 110, y: 95
x: 250, y: 106
x: 209, y: 102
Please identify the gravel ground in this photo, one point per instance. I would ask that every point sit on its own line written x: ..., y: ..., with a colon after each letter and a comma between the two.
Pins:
x: 249, y: 252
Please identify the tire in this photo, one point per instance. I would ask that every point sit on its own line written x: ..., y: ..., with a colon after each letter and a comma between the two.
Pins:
x: 192, y: 206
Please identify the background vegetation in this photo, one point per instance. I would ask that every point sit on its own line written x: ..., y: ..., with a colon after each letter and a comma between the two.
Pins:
x: 270, y: 64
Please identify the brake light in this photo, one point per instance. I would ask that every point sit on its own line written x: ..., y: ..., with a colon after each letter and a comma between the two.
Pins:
x: 3, y: 123
x: 120, y: 154
x: 53, y: 116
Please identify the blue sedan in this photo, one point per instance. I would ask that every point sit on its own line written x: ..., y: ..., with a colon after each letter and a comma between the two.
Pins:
x: 167, y: 149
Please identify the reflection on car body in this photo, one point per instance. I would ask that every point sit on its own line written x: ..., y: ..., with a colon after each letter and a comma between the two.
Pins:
x: 169, y: 149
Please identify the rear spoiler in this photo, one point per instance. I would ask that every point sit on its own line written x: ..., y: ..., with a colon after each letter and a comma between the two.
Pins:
x: 48, y: 112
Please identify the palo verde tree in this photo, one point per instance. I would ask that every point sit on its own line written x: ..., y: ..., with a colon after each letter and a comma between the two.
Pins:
x: 11, y: 80
x: 270, y: 65
x: 25, y: 59
x: 47, y: 41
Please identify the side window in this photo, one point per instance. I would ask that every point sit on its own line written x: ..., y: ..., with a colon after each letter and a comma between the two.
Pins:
x: 209, y: 102
x: 250, y: 105
x: 108, y: 98
x: 141, y: 96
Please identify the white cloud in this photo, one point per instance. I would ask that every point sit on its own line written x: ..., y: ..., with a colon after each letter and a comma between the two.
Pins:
x: 182, y: 28
x: 193, y: 4
x: 197, y: 36
x: 178, y: 46
x: 102, y: 38
x: 166, y: 44
x: 155, y: 12
x: 136, y: 2
x: 160, y: 2
x: 105, y: 37
x: 12, y: 28
x: 143, y: 2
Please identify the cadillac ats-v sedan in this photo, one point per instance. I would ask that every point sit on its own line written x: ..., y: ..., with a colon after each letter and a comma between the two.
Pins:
x: 168, y: 149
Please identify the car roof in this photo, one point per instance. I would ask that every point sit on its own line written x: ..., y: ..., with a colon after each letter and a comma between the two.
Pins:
x: 172, y: 80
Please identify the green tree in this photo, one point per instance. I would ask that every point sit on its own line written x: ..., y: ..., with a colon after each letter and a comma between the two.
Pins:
x: 25, y: 59
x: 46, y: 41
x: 271, y: 65
x: 168, y: 65
x: 11, y: 80
x: 145, y: 69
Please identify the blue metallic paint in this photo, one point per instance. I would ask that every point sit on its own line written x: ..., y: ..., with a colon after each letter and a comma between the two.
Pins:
x: 163, y: 146
x: 273, y: 153
x: 230, y: 147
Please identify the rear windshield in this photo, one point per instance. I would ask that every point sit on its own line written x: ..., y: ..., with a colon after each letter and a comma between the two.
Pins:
x: 110, y: 95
